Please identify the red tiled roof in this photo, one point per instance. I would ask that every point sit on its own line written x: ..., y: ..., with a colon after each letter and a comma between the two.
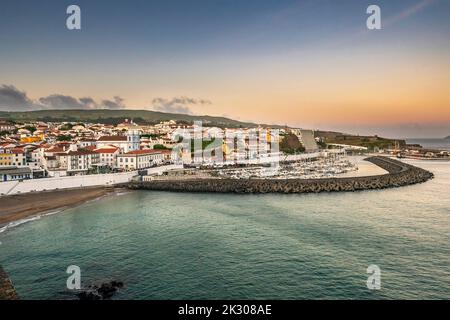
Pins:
x: 16, y: 150
x: 112, y: 138
x: 145, y: 151
x: 106, y: 150
x: 44, y: 146
x: 55, y: 149
x: 81, y: 152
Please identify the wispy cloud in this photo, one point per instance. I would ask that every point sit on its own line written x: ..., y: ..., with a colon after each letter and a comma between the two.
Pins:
x: 408, y: 12
x: 116, y: 103
x: 178, y: 104
x: 88, y: 102
x: 59, y: 101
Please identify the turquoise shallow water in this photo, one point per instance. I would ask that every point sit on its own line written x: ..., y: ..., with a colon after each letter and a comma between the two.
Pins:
x: 223, y: 246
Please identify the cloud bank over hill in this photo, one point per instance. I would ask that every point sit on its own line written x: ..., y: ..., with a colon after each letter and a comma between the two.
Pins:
x: 14, y: 99
x: 178, y: 104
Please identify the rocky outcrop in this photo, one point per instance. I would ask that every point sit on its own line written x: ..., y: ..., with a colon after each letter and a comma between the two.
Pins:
x: 103, y: 292
x: 7, y: 291
x: 399, y: 174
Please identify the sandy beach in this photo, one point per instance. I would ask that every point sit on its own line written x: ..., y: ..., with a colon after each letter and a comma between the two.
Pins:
x: 17, y: 207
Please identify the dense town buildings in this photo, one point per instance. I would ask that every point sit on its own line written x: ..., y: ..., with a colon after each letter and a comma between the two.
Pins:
x: 40, y: 149
x: 70, y: 149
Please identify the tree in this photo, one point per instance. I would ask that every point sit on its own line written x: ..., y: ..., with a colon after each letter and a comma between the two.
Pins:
x: 63, y: 137
x: 291, y: 144
x: 66, y: 127
x: 322, y: 144
x: 160, y: 147
x: 31, y: 128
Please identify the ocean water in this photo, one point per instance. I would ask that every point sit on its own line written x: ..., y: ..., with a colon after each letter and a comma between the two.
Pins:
x: 225, y: 246
x: 439, y: 144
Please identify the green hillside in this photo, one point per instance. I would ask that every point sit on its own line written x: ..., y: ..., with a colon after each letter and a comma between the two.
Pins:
x: 117, y: 116
x: 370, y: 142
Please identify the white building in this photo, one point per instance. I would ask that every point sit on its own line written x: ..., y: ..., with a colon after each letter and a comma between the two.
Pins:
x: 13, y: 157
x: 14, y: 173
x: 139, y: 159
x: 81, y: 161
x: 170, y: 157
x: 84, y: 143
x: 127, y: 143
x: 133, y: 138
x: 108, y: 155
x: 6, y: 126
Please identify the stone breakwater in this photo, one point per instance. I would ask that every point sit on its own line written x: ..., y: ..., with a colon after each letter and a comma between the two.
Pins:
x: 7, y: 291
x: 399, y: 174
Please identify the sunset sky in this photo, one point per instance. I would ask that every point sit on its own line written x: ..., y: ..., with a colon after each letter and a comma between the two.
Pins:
x: 311, y: 64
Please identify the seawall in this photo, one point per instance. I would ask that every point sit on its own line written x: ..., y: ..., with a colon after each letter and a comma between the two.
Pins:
x: 399, y: 174
x: 7, y: 291
x: 60, y: 183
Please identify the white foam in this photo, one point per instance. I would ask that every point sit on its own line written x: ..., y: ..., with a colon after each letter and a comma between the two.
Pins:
x: 122, y: 193
x: 37, y: 217
x: 18, y: 223
x: 51, y: 213
x: 23, y: 221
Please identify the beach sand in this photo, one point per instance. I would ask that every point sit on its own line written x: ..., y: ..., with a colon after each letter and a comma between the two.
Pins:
x: 21, y: 206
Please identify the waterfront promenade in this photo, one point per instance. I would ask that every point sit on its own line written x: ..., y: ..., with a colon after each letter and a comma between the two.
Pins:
x: 93, y: 180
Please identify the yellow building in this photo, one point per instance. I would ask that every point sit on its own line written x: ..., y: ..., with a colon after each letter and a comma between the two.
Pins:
x: 32, y: 139
x: 6, y: 159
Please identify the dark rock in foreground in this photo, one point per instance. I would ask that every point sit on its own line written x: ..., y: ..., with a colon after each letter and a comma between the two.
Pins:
x: 105, y: 291
x: 399, y: 174
x: 7, y: 291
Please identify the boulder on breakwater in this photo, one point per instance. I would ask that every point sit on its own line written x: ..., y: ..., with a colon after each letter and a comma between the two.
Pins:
x: 399, y: 174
